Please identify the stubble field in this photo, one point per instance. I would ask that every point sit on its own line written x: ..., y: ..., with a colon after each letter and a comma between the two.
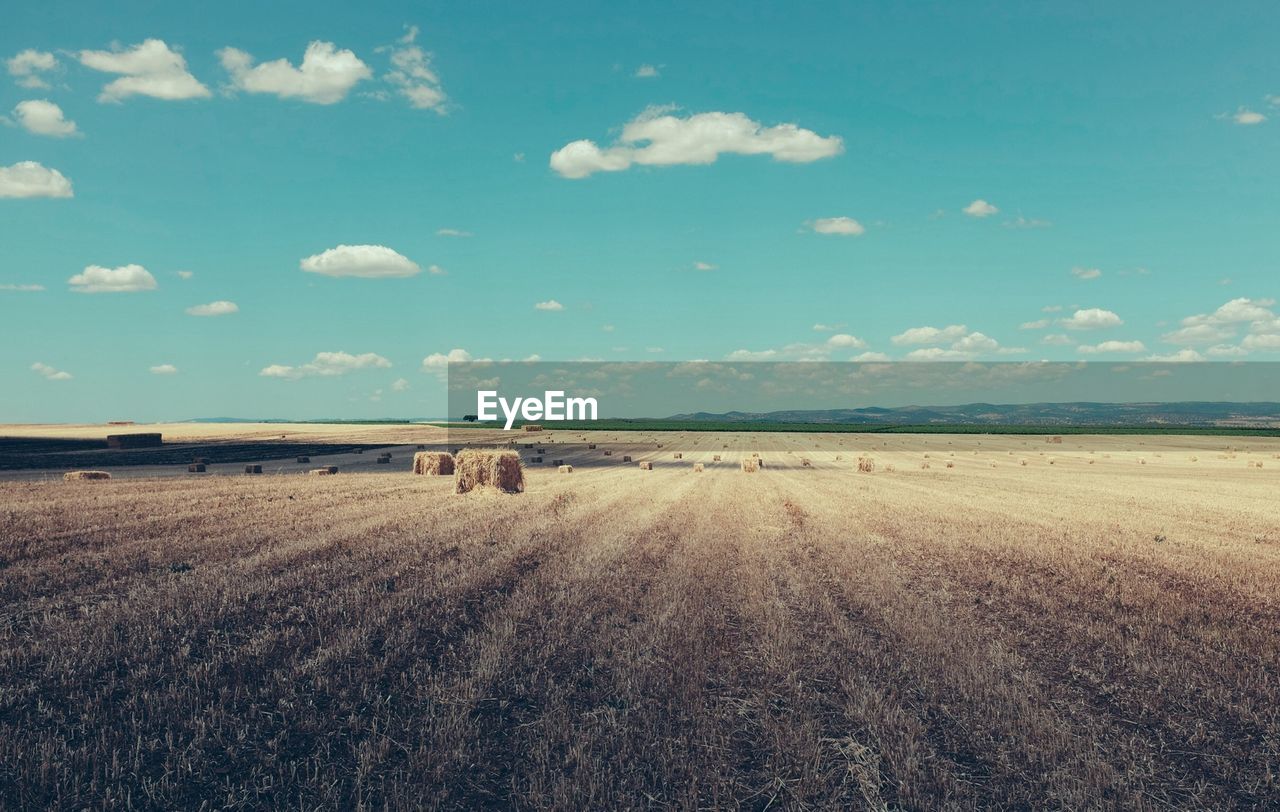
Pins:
x: 1102, y: 631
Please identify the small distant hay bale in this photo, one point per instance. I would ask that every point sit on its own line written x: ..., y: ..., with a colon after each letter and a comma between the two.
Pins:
x: 950, y: 464
x: 697, y: 467
x: 889, y: 468
x: 253, y: 469
x: 195, y: 468
x: 867, y: 465
x: 924, y: 464
x: 535, y: 460
x: 678, y: 456
x: 421, y: 446
x: 610, y: 454
x: 542, y: 451
x: 326, y: 471
x: 1052, y: 460
x: 1195, y: 459
x: 624, y: 459
x: 1141, y: 461
x: 1255, y: 463
x: 593, y: 445
x: 839, y: 457
x: 433, y: 463
x: 715, y: 458
x: 359, y: 450
x: 646, y: 466
x: 304, y: 459
x: 926, y: 456
x: 78, y: 476
x: 565, y: 469
x: 750, y: 465
x: 477, y: 469
x: 805, y: 462
x: 1054, y: 439
x: 531, y: 427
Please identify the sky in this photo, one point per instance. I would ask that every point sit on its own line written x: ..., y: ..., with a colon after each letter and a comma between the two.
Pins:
x: 306, y: 210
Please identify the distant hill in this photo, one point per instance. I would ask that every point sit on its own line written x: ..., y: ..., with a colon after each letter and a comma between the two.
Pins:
x: 1190, y: 413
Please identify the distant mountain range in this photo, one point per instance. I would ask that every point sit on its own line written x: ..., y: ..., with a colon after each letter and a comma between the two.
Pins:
x: 1190, y: 413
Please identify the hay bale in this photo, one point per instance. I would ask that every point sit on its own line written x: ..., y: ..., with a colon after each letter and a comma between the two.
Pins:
x: 697, y: 467
x: 542, y: 451
x: 421, y: 446
x: 535, y: 460
x: 76, y: 476
x: 304, y: 459
x: 565, y: 469
x: 327, y: 471
x: 253, y: 469
x: 610, y: 454
x: 195, y: 468
x: 805, y: 462
x: 1023, y: 462
x: 889, y: 468
x: 624, y: 459
x: 479, y: 469
x: 678, y: 455
x: 750, y: 465
x: 593, y: 445
x: 646, y: 466
x: 839, y: 457
x: 1054, y: 439
x: 715, y: 457
x: 866, y: 465
x: 433, y: 463
x: 950, y: 464
x: 924, y: 465
x: 531, y: 427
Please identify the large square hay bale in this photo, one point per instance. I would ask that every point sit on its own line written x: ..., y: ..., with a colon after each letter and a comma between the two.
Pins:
x: 697, y: 467
x: 482, y: 469
x: 646, y: 466
x: 679, y: 456
x: 531, y: 427
x: 196, y: 468
x: 76, y: 476
x: 750, y: 464
x: 327, y: 471
x: 624, y: 459
x: 565, y: 469
x: 253, y: 469
x: 866, y: 465
x: 715, y: 457
x: 433, y: 463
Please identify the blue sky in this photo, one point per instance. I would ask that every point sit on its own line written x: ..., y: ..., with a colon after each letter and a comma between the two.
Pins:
x: 1007, y: 182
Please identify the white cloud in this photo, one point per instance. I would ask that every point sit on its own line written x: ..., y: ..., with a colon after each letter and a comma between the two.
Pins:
x: 219, y: 308
x: 1247, y: 117
x: 752, y: 355
x: 30, y: 179
x: 867, y: 357
x: 1057, y: 340
x: 1223, y: 323
x: 438, y: 361
x: 1091, y: 318
x: 846, y: 341
x: 43, y: 117
x: 48, y: 372
x: 125, y: 279
x: 1261, y: 341
x: 22, y: 288
x: 1200, y: 334
x: 413, y: 77
x: 980, y: 208
x: 151, y: 68
x: 704, y: 266
x: 826, y: 328
x: 550, y: 304
x: 436, y: 270
x: 1226, y: 351
x: 608, y: 328
x: 326, y: 75
x: 1023, y: 222
x: 656, y: 138
x: 365, y: 261
x: 185, y: 274
x: 976, y: 342
x: 1179, y: 357
x: 400, y: 385
x: 843, y: 226
x: 1051, y: 309
x: 452, y: 232
x: 647, y: 72
x: 26, y: 67
x: 327, y: 365
x: 1038, y: 324
x: 1112, y: 346
x: 930, y: 335
x: 164, y: 369
x: 1086, y: 273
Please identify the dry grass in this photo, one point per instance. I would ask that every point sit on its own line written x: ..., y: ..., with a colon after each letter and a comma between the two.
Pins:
x: 1100, y: 637
x: 329, y: 470
x: 480, y: 469
x: 433, y: 463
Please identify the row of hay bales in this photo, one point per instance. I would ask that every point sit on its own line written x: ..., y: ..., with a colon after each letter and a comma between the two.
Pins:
x: 475, y: 469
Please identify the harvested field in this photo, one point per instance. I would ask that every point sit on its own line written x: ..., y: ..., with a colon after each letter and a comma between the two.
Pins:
x: 1067, y: 636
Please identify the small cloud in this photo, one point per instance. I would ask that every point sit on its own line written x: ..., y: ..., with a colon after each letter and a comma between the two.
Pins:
x: 846, y: 341
x: 363, y: 261
x: 400, y: 384
x: 647, y: 72
x: 326, y: 365
x: 980, y: 208
x: 1091, y: 318
x: 30, y: 179
x: 930, y: 335
x: 439, y: 361
x: 41, y: 117
x: 164, y: 369
x: 453, y: 232
x: 870, y: 356
x: 49, y: 373
x: 607, y: 328
x: 22, y: 288
x: 1086, y: 273
x: 1112, y: 346
x: 436, y: 270
x: 1023, y: 222
x: 1247, y: 117
x: 550, y: 304
x: 704, y: 266
x: 1038, y: 324
x: 654, y: 350
x: 842, y: 226
x: 219, y: 308
x: 125, y: 279
x: 1179, y: 357
x: 185, y: 274
x: 1057, y: 340
x: 1051, y: 309
x: 150, y: 68
x: 27, y: 66
x: 325, y: 76
x: 518, y: 157
x: 1224, y: 281
x: 826, y: 328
